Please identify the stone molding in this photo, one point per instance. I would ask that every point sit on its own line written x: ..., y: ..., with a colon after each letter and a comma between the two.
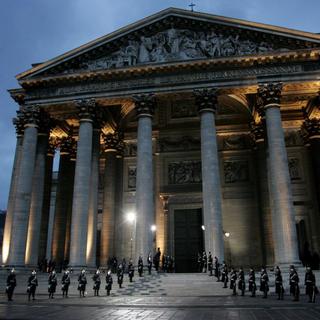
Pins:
x: 145, y: 104
x: 206, y: 99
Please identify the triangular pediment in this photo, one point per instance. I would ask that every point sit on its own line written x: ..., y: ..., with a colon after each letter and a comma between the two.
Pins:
x: 175, y: 35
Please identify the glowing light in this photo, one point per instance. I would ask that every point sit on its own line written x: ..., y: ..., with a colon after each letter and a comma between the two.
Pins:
x: 227, y: 234
x: 153, y: 228
x: 203, y: 227
x: 131, y: 216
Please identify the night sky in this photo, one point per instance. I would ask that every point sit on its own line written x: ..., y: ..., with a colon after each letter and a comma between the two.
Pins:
x: 37, y: 30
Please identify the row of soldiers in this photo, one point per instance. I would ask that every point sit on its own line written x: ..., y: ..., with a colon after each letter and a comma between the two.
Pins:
x: 237, y: 279
x: 82, y: 279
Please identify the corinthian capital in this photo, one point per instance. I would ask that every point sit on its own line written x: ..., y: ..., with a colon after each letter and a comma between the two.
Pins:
x: 113, y: 142
x: 269, y: 94
x: 145, y: 104
x: 206, y: 99
x: 31, y: 115
x: 257, y: 132
x: 310, y: 129
x: 86, y: 109
x: 18, y: 122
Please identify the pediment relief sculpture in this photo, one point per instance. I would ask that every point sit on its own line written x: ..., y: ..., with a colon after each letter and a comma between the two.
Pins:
x: 178, y: 45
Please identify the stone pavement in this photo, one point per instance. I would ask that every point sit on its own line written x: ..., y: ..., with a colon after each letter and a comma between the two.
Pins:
x: 159, y: 296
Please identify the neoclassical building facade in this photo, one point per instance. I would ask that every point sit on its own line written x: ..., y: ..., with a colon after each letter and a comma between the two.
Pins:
x: 204, y: 130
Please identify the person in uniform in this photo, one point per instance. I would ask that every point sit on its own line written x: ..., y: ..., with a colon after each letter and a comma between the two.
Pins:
x: 109, y: 282
x: 96, y: 283
x: 52, y: 283
x: 140, y: 266
x: 149, y: 262
x: 11, y: 284
x: 264, y: 282
x: 210, y: 264
x: 120, y: 275
x: 233, y: 281
x: 310, y: 283
x: 204, y: 262
x: 217, y: 268
x: 224, y: 275
x: 241, y: 281
x: 252, y: 282
x: 32, y: 285
x: 65, y: 283
x: 279, y: 283
x: 157, y: 259
x: 131, y: 270
x: 82, y: 282
x: 294, y: 283
x: 199, y: 261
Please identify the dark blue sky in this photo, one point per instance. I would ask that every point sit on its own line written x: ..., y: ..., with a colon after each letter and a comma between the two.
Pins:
x: 37, y: 30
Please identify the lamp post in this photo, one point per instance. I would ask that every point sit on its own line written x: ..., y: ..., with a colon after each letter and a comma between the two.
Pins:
x: 228, y: 249
x: 131, y: 218
x: 153, y: 229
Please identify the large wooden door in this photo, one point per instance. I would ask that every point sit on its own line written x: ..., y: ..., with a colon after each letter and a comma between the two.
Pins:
x: 188, y: 239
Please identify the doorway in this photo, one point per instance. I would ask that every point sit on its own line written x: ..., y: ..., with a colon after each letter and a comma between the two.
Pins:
x: 188, y: 239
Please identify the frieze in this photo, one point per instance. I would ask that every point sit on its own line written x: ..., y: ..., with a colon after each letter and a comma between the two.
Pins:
x: 294, y: 169
x: 161, y: 81
x: 187, y: 109
x: 235, y: 142
x: 176, y: 45
x: 185, y: 143
x: 236, y: 171
x: 184, y: 172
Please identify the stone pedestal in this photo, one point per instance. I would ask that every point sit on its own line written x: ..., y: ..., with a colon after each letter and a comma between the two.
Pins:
x: 81, y: 192
x: 283, y: 215
x: 145, y: 215
x: 206, y: 101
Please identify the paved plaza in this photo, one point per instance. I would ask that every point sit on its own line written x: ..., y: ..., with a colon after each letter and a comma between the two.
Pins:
x: 159, y: 296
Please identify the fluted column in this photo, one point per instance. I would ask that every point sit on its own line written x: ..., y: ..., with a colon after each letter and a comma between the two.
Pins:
x: 111, y: 146
x: 46, y: 199
x: 24, y: 188
x: 81, y: 193
x: 34, y: 227
x: 283, y: 215
x: 258, y: 135
x: 63, y: 200
x: 145, y: 214
x: 18, y: 122
x: 93, y: 204
x: 207, y: 103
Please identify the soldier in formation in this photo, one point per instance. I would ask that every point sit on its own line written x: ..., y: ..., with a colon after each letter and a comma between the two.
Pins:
x: 241, y: 281
x: 294, y: 283
x: 279, y: 283
x: 11, y: 284
x: 32, y: 285
x: 120, y: 275
x: 252, y: 282
x: 199, y: 261
x: 264, y: 282
x: 217, y: 268
x: 233, y: 281
x: 140, y: 266
x: 156, y: 259
x: 204, y: 262
x: 149, y: 263
x: 130, y: 270
x: 310, y: 283
x: 52, y: 283
x: 96, y: 283
x: 82, y: 282
x: 109, y: 282
x: 224, y: 275
x: 65, y: 281
x: 210, y: 264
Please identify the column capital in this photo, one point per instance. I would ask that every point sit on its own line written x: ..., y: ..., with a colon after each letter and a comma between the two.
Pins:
x: 310, y: 129
x: 67, y: 144
x: 30, y: 115
x: 257, y: 131
x: 206, y: 99
x: 52, y: 146
x: 18, y: 122
x: 114, y: 142
x: 269, y: 94
x: 145, y: 104
x: 86, y: 109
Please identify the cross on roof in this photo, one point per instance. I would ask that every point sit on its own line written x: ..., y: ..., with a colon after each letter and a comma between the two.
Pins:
x: 191, y: 5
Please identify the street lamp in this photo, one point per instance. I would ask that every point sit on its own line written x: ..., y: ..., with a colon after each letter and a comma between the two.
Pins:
x: 227, y: 234
x: 153, y: 228
x: 131, y: 216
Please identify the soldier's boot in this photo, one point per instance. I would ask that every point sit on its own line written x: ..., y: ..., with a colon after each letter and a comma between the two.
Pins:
x: 253, y: 294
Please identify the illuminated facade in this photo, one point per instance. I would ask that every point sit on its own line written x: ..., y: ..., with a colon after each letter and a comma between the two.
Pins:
x: 202, y: 126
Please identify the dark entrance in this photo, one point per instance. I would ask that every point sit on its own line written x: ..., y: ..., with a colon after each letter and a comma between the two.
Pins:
x: 188, y: 239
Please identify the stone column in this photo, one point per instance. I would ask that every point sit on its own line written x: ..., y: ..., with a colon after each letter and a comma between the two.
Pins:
x: 81, y: 192
x: 207, y: 103
x: 93, y: 204
x: 24, y: 187
x: 283, y: 215
x: 63, y: 200
x: 145, y: 214
x: 258, y: 135
x: 46, y: 199
x: 33, y: 238
x: 18, y: 122
x: 112, y: 142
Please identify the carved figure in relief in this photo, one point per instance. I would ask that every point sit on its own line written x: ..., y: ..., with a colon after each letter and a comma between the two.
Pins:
x: 173, y: 40
x: 132, y: 53
x: 145, y: 46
